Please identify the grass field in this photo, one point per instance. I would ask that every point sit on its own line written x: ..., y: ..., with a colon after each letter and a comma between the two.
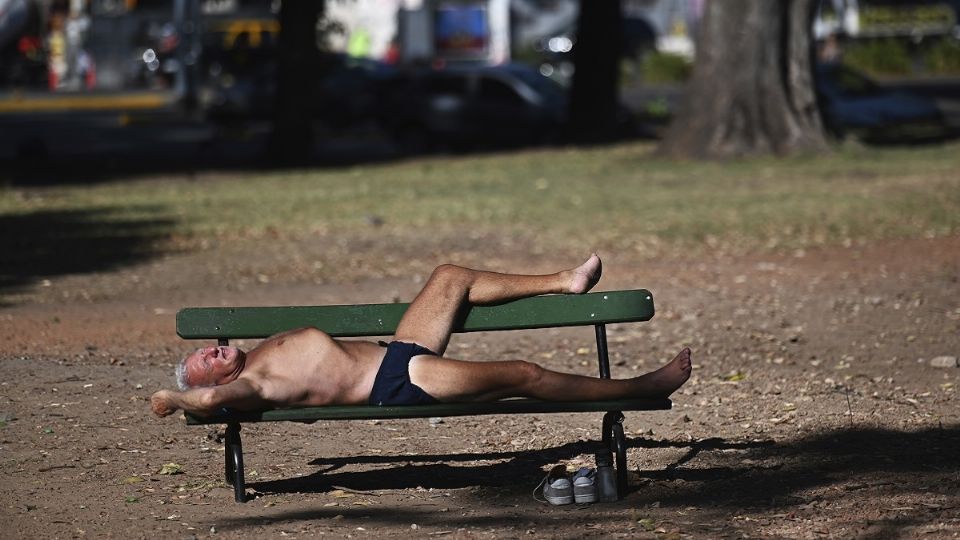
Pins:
x: 621, y: 195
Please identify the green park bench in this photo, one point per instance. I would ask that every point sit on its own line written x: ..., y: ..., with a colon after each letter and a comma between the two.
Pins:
x: 594, y: 309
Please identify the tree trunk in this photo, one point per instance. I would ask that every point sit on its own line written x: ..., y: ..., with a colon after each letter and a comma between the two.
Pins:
x: 292, y: 137
x: 752, y: 87
x: 596, y: 59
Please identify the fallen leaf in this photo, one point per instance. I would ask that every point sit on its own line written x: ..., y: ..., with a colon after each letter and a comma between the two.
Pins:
x: 171, y: 468
x: 132, y: 480
x: 646, y: 523
x: 131, y: 499
x: 340, y: 494
x: 735, y: 376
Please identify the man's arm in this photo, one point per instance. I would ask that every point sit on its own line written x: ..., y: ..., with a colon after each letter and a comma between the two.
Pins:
x: 238, y: 394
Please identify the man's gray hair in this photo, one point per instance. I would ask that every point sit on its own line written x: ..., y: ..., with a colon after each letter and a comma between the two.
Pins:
x: 181, y: 373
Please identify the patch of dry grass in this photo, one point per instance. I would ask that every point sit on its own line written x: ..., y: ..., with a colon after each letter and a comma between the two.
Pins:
x: 620, y: 196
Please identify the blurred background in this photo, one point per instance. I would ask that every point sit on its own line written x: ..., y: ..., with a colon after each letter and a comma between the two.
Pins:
x: 161, y: 84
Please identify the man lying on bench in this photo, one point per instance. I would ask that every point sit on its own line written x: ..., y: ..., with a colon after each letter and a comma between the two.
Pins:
x: 306, y: 367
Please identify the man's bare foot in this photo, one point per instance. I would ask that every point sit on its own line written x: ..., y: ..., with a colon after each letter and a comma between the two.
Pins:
x: 667, y: 379
x: 585, y: 276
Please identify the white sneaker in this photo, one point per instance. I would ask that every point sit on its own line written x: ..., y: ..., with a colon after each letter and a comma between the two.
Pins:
x: 584, y: 485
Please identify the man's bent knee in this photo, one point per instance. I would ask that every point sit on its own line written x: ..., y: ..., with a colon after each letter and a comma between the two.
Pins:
x: 529, y: 375
x: 451, y: 275
x: 447, y: 271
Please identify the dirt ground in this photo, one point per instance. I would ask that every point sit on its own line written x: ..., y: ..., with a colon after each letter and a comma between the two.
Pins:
x: 816, y: 408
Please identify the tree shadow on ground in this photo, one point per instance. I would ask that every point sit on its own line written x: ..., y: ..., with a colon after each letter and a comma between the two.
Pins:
x: 49, y: 243
x: 95, y: 168
x: 773, y: 474
x: 146, y: 156
x: 714, y: 475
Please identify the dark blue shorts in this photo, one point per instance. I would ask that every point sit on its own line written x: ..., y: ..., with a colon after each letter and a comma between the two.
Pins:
x: 392, y: 385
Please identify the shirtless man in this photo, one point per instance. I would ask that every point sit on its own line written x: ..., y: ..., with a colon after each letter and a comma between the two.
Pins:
x: 306, y: 367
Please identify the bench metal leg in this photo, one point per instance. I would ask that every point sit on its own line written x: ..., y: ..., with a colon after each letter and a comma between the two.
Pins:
x: 602, y: 356
x: 620, y: 452
x: 616, y: 442
x: 613, y: 437
x: 233, y: 462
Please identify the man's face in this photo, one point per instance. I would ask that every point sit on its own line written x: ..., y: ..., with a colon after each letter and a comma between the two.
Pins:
x: 211, y: 366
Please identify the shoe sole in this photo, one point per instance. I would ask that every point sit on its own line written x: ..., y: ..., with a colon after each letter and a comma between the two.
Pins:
x: 558, y: 501
x: 585, y: 498
x: 586, y: 493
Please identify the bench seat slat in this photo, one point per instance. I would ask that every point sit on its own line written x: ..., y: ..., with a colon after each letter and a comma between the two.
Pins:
x: 382, y: 319
x: 369, y: 412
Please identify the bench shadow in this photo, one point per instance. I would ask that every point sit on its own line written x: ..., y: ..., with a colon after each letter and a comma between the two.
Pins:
x: 425, y: 470
x: 431, y: 471
x: 713, y: 476
x: 45, y: 244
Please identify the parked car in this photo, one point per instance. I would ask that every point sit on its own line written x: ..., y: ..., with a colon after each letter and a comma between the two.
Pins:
x: 350, y: 91
x: 853, y: 103
x: 464, y: 107
x: 239, y: 78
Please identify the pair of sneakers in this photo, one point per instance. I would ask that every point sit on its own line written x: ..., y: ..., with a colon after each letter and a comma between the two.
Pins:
x: 559, y: 488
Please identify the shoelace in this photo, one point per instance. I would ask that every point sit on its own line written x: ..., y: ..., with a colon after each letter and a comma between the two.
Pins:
x: 536, y: 489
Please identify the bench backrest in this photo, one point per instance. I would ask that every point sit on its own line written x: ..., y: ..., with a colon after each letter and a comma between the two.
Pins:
x: 382, y: 319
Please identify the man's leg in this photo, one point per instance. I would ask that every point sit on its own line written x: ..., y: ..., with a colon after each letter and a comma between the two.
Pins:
x: 429, y: 319
x: 455, y: 380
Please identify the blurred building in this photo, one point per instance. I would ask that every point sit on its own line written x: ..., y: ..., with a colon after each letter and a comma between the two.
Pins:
x: 422, y: 31
x: 489, y: 31
x: 915, y: 19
